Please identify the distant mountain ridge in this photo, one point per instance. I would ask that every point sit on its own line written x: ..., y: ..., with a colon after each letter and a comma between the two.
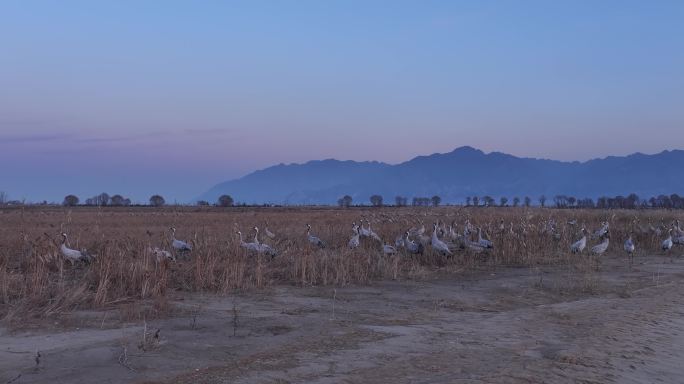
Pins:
x: 455, y: 175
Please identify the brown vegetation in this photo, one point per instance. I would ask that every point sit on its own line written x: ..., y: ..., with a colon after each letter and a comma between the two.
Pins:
x: 36, y: 281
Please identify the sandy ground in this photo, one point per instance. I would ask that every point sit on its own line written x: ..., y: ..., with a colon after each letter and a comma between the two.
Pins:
x: 512, y: 325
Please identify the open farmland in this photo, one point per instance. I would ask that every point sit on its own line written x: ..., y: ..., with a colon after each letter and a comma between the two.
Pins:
x: 527, y: 310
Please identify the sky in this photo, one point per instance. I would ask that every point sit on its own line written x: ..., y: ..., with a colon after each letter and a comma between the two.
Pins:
x: 171, y: 97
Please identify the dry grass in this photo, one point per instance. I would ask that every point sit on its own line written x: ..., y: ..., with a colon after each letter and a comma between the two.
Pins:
x: 36, y: 281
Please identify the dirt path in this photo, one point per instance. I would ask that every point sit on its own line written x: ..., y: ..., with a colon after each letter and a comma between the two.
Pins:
x: 513, y: 326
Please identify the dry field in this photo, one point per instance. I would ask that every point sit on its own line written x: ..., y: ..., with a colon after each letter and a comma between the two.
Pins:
x: 333, y: 314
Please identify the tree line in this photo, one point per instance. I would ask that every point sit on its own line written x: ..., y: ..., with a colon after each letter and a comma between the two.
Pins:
x: 104, y: 200
x: 631, y: 201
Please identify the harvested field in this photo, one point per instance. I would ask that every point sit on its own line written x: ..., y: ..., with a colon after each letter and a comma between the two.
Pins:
x: 525, y: 311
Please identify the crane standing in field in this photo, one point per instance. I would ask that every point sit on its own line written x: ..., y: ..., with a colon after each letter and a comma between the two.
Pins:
x: 601, y: 232
x: 678, y: 234
x: 579, y: 245
x: 313, y: 239
x: 437, y: 244
x: 412, y: 246
x: 484, y: 243
x: 179, y: 245
x: 388, y: 250
x: 630, y: 248
x: 372, y: 234
x: 262, y: 247
x: 161, y: 254
x: 601, y: 247
x: 666, y: 245
x: 354, y: 241
x: 73, y: 255
x: 268, y: 233
x: 248, y: 246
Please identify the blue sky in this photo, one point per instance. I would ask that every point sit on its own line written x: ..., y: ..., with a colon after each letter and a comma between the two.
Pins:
x: 171, y: 97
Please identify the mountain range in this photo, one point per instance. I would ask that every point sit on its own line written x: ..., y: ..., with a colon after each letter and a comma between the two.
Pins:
x: 455, y: 175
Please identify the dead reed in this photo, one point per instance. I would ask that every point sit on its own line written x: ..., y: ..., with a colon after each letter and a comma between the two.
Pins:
x: 36, y: 281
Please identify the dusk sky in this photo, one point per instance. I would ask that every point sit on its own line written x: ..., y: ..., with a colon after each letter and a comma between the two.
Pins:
x: 172, y: 97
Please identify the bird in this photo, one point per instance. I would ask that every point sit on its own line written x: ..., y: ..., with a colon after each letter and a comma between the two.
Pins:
x: 372, y: 234
x: 601, y: 247
x: 412, y: 246
x: 678, y: 234
x: 417, y: 231
x: 656, y: 231
x: 313, y: 239
x: 666, y: 245
x: 630, y: 248
x: 267, y: 250
x: 161, y: 254
x: 452, y: 234
x: 438, y: 244
x: 579, y: 245
x: 678, y: 231
x: 389, y: 250
x: 71, y: 254
x: 354, y: 241
x: 247, y: 246
x: 261, y: 247
x: 601, y: 231
x: 256, y: 234
x: 363, y: 232
x: 399, y: 241
x: 678, y: 240
x: 484, y: 243
x: 269, y: 233
x: 474, y: 247
x: 179, y: 245
x: 629, y: 245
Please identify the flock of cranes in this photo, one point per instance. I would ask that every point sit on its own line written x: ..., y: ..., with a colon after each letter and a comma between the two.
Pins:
x: 675, y: 237
x: 444, y: 240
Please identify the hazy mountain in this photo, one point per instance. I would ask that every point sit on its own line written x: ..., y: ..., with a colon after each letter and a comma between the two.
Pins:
x: 455, y: 175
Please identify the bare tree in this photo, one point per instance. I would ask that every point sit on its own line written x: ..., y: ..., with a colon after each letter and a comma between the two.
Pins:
x: 117, y: 200
x: 421, y: 202
x: 102, y: 199
x: 345, y: 201
x: 400, y: 201
x: 528, y: 201
x: 376, y: 200
x: 476, y: 201
x: 468, y: 200
x: 157, y: 201
x: 516, y: 201
x: 70, y: 201
x: 542, y: 200
x: 225, y: 201
x: 436, y: 200
x: 3, y: 197
x: 503, y: 201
